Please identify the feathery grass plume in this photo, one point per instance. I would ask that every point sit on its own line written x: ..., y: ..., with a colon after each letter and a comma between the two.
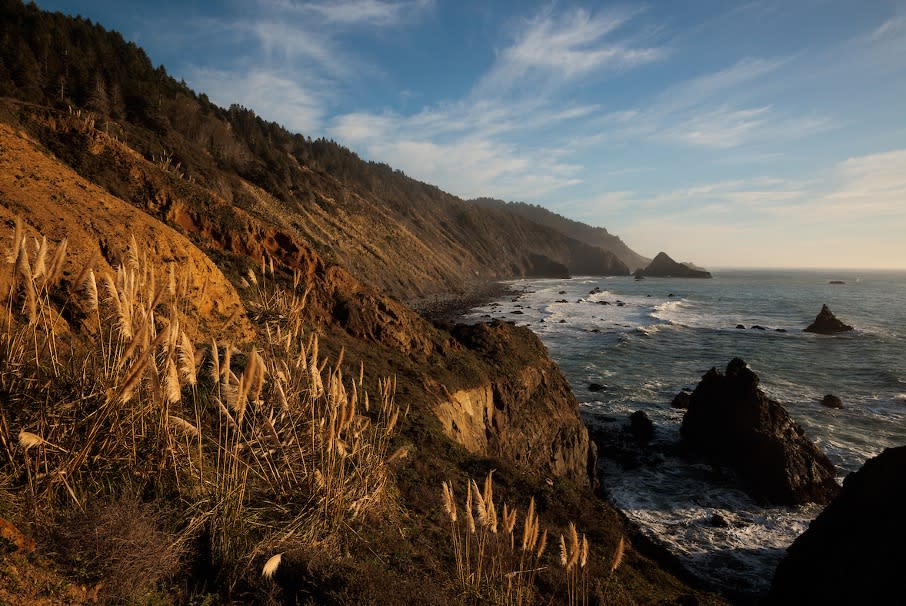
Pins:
x: 528, y: 526
x: 618, y: 555
x: 183, y: 425
x: 132, y: 262
x: 480, y: 506
x: 215, y: 361
x: 564, y: 554
x: 23, y: 268
x: 583, y: 555
x: 90, y: 290
x: 18, y: 234
x: 134, y: 376
x: 251, y: 274
x: 173, y: 391
x: 55, y: 268
x: 400, y: 453
x: 509, y: 519
x: 449, y: 501
x: 574, y: 546
x: 89, y: 265
x: 39, y: 267
x: 271, y: 566
x: 542, y: 545
x: 187, y: 359
x: 28, y: 440
x: 469, y: 517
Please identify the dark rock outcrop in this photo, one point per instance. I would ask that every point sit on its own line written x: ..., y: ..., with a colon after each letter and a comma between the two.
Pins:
x: 542, y: 266
x: 596, y: 387
x: 681, y: 400
x: 732, y: 421
x: 640, y: 426
x: 832, y: 401
x: 853, y: 552
x: 826, y: 323
x: 664, y: 267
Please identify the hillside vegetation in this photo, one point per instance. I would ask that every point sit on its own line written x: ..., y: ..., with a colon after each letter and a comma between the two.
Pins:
x: 208, y: 394
x: 598, y: 237
x: 402, y: 235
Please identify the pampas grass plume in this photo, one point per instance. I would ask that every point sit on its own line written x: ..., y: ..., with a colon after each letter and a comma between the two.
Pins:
x: 271, y: 566
x: 28, y: 440
x: 618, y: 555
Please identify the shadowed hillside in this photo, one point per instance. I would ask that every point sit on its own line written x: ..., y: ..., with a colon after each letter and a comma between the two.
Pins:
x: 593, y: 236
x: 399, y: 234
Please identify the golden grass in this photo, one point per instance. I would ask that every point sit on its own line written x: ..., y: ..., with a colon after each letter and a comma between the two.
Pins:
x: 493, y: 566
x: 266, y: 450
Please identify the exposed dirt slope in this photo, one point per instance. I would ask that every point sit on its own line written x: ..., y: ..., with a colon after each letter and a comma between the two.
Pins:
x: 55, y: 201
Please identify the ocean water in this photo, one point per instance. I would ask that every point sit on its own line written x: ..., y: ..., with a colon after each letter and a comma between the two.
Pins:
x: 659, y: 335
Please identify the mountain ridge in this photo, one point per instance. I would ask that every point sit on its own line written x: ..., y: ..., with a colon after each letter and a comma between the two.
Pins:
x: 593, y: 236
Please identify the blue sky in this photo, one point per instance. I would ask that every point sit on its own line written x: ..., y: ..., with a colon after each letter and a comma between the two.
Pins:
x: 767, y: 133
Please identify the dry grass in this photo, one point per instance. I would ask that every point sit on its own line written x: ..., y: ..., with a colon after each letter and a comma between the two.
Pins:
x: 265, y: 449
x: 496, y: 564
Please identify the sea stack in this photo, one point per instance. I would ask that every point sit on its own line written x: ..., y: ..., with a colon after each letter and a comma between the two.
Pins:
x: 731, y: 421
x: 664, y: 267
x: 826, y: 323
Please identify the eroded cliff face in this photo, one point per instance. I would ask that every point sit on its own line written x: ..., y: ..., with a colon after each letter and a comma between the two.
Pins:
x: 522, y: 409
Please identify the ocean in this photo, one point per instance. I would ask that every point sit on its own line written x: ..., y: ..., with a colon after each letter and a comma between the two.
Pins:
x: 656, y: 336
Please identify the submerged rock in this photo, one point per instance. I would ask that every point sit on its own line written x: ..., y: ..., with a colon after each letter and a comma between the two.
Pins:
x: 832, y: 401
x: 826, y: 323
x: 732, y: 421
x: 640, y: 426
x: 681, y: 400
x: 853, y: 552
x: 596, y: 387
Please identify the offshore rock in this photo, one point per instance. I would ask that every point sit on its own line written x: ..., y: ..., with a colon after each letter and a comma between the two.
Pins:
x: 826, y: 323
x: 664, y: 267
x: 832, y: 401
x: 732, y: 421
x: 853, y: 552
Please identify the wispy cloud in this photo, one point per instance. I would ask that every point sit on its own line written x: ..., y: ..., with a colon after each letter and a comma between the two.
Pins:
x: 370, y: 13
x: 271, y: 94
x: 465, y: 148
x: 564, y: 46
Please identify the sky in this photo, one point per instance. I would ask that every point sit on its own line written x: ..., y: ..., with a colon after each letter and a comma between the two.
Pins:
x: 769, y: 133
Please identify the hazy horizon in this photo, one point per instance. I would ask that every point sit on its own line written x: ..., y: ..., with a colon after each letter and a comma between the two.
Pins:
x: 768, y: 134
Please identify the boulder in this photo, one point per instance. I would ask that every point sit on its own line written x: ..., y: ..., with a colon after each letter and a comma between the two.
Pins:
x: 741, y: 326
x: 681, y: 400
x: 832, y: 401
x: 826, y: 323
x: 852, y: 553
x: 733, y: 422
x: 640, y: 426
x: 596, y: 387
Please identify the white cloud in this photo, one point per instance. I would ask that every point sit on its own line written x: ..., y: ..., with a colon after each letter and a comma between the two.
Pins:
x: 367, y: 12
x: 707, y: 87
x: 464, y: 149
x: 272, y: 95
x: 562, y: 47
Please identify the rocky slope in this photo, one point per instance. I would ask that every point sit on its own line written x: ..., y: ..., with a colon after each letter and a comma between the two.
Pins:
x: 851, y: 552
x: 662, y: 266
